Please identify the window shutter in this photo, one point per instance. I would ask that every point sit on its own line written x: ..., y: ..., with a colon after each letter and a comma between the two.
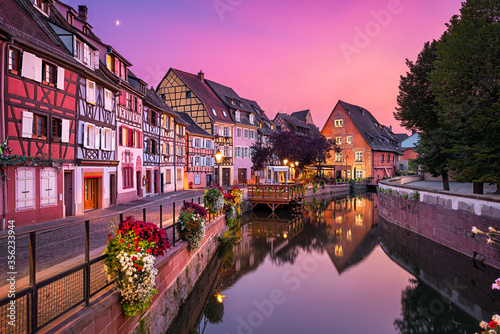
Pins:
x: 107, y: 100
x: 139, y: 138
x: 29, y: 66
x: 65, y: 130
x: 103, y: 139
x: 25, y: 194
x: 212, y: 162
x: 48, y: 187
x: 90, y: 92
x: 97, y: 138
x: 113, y: 141
x: 96, y: 59
x: 123, y: 99
x: 130, y: 138
x: 117, y: 66
x: 139, y: 106
x: 27, y: 124
x: 170, y: 149
x: 60, y: 77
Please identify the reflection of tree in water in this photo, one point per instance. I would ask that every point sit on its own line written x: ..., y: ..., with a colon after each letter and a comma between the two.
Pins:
x: 312, y: 238
x: 214, y: 310
x: 425, y: 311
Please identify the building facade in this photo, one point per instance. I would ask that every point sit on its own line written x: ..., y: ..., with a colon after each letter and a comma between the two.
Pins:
x: 367, y: 148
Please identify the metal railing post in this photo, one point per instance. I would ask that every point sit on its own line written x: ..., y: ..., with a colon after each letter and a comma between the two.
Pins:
x: 86, y: 271
x: 173, y: 224
x: 121, y: 217
x: 192, y: 199
x: 199, y: 200
x: 161, y: 216
x: 33, y: 324
x: 144, y: 214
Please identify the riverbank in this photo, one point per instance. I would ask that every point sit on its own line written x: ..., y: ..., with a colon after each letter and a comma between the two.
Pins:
x: 445, y: 217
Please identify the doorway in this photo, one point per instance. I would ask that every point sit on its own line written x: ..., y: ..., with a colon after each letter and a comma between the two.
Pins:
x: 138, y: 182
x: 156, y: 181
x: 226, y: 172
x: 90, y: 194
x: 161, y: 182
x: 68, y: 193
x: 112, y: 189
x: 242, y: 175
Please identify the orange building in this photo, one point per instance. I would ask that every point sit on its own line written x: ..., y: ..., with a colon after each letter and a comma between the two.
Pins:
x: 367, y: 148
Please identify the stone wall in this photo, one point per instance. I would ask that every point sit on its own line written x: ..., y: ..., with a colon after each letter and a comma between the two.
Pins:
x: 442, y: 223
x: 329, y: 189
x: 178, y: 272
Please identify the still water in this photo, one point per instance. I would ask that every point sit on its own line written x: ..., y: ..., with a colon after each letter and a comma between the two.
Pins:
x: 336, y: 268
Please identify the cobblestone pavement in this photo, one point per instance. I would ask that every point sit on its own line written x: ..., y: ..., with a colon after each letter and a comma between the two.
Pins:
x: 56, y: 245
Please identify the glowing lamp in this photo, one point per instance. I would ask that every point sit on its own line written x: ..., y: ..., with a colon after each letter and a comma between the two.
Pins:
x: 218, y: 156
x: 285, y: 161
x: 285, y: 235
x: 220, y: 298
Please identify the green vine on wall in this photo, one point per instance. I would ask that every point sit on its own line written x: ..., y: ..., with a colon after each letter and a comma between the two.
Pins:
x: 6, y: 159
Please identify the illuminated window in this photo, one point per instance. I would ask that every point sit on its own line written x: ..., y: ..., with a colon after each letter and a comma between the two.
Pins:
x: 348, y: 140
x: 338, y: 233
x: 339, y: 251
x: 359, y: 156
x: 339, y: 123
x: 349, y: 235
x: 338, y: 219
x: 338, y: 157
x: 359, y: 174
x: 338, y: 140
x: 359, y: 219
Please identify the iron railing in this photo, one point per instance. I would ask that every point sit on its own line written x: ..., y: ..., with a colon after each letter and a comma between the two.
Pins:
x: 44, y: 301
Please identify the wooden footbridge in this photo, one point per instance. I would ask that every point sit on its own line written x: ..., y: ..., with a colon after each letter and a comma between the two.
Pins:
x: 275, y: 195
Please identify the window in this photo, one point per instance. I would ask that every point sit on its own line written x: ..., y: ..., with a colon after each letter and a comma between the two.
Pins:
x: 14, y: 64
x: 128, y: 177
x: 56, y: 129
x: 338, y: 140
x: 42, y: 5
x: 110, y: 63
x: 237, y: 152
x: 237, y: 115
x: 251, y: 118
x: 107, y: 139
x: 39, y: 126
x: 48, y: 187
x: 48, y: 73
x: 359, y: 219
x: 246, y: 134
x: 382, y: 158
x: 359, y: 156
x: 188, y: 94
x: 348, y: 140
x: 133, y: 103
x: 238, y: 132
x: 108, y: 100
x: 339, y: 123
x: 224, y: 113
x: 246, y: 152
x: 91, y: 92
x: 25, y: 188
x: 197, y: 179
x: 179, y: 174
x: 91, y: 136
x: 227, y: 131
x: 338, y: 157
x: 179, y: 151
x: 228, y: 152
x: 168, y: 177
x: 152, y: 117
x: 359, y: 174
x: 214, y: 112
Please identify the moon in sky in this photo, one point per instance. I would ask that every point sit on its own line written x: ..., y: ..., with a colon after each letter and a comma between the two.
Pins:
x: 117, y: 22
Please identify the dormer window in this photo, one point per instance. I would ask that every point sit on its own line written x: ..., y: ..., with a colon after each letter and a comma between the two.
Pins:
x: 339, y: 123
x: 241, y: 104
x: 188, y: 94
x: 42, y: 5
x: 224, y: 113
x: 237, y: 115
x: 251, y: 118
x: 232, y: 102
x: 70, y: 18
x: 214, y: 112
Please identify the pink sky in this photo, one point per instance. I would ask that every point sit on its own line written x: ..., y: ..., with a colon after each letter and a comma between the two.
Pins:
x: 286, y: 55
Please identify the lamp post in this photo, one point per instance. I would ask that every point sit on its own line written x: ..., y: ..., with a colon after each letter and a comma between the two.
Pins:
x: 218, y: 159
x: 285, y: 162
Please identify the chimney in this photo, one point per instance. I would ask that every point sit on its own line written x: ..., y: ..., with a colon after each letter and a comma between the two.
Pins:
x: 201, y: 76
x: 82, y: 13
x: 413, y: 132
x: 390, y: 128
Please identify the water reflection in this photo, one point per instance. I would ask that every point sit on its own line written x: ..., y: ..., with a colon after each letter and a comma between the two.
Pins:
x: 324, y: 271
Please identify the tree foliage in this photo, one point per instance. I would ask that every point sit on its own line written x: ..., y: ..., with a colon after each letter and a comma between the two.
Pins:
x: 467, y: 87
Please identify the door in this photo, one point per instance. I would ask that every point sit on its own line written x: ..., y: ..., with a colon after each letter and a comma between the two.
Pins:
x: 226, y: 172
x: 112, y: 189
x: 68, y: 193
x: 242, y: 176
x: 162, y: 181
x: 138, y: 182
x: 156, y: 181
x: 90, y: 195
x: 209, y: 180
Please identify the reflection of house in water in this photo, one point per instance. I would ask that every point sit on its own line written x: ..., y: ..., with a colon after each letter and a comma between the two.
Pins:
x: 351, y: 234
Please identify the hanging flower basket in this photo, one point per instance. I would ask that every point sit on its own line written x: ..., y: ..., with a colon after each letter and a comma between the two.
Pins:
x: 130, y: 261
x: 191, y: 224
x: 213, y: 199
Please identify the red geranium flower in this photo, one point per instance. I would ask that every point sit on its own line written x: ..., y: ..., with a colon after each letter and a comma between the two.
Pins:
x: 493, y: 324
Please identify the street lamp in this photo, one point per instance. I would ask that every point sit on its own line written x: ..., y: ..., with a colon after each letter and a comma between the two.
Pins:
x: 285, y: 161
x: 218, y: 159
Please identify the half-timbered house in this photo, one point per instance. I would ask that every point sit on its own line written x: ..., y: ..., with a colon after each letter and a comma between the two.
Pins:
x: 38, y: 114
x: 199, y: 168
x: 96, y: 184
x: 159, y: 159
x: 300, y: 123
x: 189, y: 93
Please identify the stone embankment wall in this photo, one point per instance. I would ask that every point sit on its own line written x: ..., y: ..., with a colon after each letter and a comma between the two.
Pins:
x: 443, y: 217
x: 178, y: 272
x: 329, y: 189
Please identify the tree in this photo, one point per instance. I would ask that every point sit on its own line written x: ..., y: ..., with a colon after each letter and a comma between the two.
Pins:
x: 418, y: 110
x: 467, y: 87
x: 261, y: 156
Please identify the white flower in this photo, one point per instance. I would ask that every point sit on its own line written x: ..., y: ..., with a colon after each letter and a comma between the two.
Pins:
x: 475, y: 230
x: 496, y: 318
x: 483, y: 325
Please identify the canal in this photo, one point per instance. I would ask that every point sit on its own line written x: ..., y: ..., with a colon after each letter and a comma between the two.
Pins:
x: 336, y: 268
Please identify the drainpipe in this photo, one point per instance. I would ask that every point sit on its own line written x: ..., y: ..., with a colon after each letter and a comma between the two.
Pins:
x: 175, y: 156
x: 3, y: 134
x: 160, y: 189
